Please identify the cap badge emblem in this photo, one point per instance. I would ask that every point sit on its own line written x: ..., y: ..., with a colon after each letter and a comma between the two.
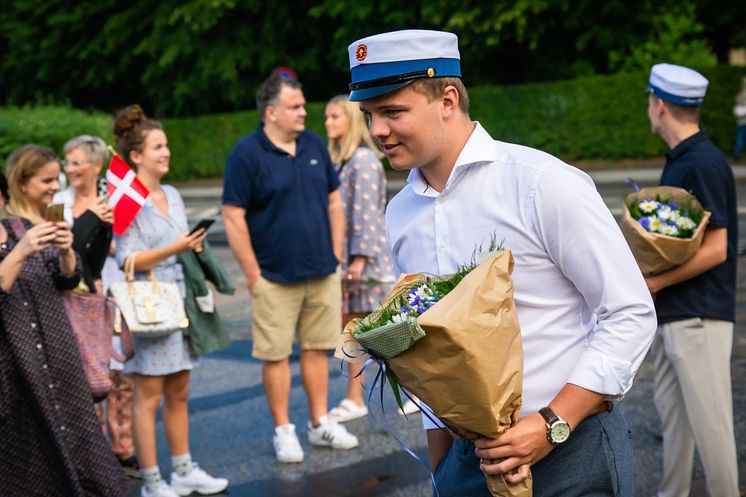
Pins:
x: 430, y: 72
x: 361, y: 52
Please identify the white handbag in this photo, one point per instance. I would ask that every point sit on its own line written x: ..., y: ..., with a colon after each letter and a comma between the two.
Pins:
x: 151, y: 308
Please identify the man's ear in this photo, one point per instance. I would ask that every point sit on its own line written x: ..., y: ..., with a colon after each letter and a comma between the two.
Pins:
x: 450, y: 100
x: 269, y: 113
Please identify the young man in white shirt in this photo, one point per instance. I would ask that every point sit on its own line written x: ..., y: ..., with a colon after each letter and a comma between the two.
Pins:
x: 586, y: 316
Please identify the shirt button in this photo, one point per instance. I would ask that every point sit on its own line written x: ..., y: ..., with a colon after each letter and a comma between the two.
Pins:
x: 62, y: 428
x: 25, y: 304
x: 442, y: 244
x: 441, y: 199
x: 33, y: 325
x: 51, y: 386
x: 44, y: 366
x: 38, y: 346
x: 57, y: 407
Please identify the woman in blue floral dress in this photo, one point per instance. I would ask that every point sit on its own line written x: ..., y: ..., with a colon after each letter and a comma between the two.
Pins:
x: 366, y: 266
x: 161, y: 365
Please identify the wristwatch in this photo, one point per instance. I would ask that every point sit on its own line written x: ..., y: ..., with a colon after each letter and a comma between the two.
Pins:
x: 558, y: 431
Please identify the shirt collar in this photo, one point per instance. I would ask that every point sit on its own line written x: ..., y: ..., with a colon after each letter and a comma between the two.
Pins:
x: 479, y: 148
x: 271, y: 147
x: 685, y: 145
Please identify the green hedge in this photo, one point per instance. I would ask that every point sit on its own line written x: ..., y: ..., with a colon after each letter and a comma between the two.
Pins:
x: 598, y: 117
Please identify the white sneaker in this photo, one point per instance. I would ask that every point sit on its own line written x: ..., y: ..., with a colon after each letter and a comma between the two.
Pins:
x: 197, y: 480
x: 287, y: 446
x: 347, y: 410
x: 160, y: 489
x: 408, y: 408
x: 331, y: 434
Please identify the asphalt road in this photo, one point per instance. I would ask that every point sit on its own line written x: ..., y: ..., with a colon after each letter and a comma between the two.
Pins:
x: 231, y: 429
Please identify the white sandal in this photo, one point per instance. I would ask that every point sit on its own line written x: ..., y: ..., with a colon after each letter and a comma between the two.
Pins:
x: 347, y: 410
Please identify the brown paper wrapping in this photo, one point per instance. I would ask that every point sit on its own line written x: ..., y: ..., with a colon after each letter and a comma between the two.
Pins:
x: 656, y: 253
x: 469, y: 367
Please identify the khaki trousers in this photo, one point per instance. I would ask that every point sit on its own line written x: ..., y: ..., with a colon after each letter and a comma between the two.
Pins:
x: 694, y: 401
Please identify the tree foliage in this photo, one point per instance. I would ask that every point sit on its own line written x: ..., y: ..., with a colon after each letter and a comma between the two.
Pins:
x: 187, y: 57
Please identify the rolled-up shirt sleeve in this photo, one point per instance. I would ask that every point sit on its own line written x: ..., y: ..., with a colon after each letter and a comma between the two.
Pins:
x: 584, y: 241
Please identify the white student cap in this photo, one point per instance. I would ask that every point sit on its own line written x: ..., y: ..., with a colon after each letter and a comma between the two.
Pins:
x: 677, y: 84
x: 385, y: 62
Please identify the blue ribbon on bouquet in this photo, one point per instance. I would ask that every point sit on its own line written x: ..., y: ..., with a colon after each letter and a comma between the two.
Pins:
x: 629, y: 181
x: 381, y: 374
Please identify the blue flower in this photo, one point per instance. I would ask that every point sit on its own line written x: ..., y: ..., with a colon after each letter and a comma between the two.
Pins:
x: 645, y: 223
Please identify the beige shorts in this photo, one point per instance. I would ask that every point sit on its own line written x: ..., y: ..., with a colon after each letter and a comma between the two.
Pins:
x: 309, y: 309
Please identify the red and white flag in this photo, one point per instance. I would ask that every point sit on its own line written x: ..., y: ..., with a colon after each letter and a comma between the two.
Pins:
x: 126, y: 193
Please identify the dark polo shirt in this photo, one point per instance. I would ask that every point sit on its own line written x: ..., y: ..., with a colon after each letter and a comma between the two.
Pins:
x: 286, y: 200
x: 696, y: 165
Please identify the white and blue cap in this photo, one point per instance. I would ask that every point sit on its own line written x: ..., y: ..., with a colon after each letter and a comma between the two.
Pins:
x: 386, y: 62
x: 677, y: 84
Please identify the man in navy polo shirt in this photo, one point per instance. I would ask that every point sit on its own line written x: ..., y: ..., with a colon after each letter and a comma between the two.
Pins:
x: 284, y: 221
x: 695, y: 301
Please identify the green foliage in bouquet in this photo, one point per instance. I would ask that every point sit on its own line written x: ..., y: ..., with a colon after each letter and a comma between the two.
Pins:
x: 393, y: 328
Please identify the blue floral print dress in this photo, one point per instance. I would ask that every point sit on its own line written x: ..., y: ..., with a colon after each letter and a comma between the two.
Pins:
x: 158, y: 356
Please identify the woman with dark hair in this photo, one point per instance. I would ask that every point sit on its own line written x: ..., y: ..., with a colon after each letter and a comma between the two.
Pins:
x: 161, y: 365
x: 52, y: 443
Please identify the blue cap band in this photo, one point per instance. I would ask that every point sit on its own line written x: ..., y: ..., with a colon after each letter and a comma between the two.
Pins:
x: 675, y: 99
x: 384, y: 71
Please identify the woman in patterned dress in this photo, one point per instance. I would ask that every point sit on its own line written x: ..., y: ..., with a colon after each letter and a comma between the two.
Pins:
x: 366, y: 266
x: 50, y: 439
x: 162, y: 364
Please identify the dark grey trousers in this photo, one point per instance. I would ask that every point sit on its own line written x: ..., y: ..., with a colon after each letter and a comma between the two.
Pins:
x: 595, y: 461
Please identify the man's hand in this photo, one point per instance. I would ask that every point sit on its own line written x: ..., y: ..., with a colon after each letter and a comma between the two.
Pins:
x: 252, y: 279
x: 520, y: 447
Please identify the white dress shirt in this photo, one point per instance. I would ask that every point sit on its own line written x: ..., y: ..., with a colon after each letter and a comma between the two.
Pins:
x: 585, y: 312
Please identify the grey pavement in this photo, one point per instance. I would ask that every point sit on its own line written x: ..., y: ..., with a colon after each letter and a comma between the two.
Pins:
x: 231, y: 427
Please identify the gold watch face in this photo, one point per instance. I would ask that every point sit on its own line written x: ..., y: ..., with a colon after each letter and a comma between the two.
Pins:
x: 560, y: 432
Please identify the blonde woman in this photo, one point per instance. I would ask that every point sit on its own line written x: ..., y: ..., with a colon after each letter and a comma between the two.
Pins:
x: 52, y: 443
x: 366, y: 266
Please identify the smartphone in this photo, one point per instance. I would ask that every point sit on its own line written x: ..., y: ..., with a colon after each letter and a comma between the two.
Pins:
x: 55, y: 213
x: 204, y: 223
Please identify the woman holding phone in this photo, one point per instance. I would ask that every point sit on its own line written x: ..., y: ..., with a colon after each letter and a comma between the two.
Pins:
x: 86, y: 209
x: 161, y: 365
x: 52, y: 443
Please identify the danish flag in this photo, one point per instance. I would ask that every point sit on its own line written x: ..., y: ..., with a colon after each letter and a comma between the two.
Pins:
x: 126, y: 193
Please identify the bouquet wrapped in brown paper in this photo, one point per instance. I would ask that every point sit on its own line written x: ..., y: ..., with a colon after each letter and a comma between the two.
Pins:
x: 454, y: 342
x: 664, y: 227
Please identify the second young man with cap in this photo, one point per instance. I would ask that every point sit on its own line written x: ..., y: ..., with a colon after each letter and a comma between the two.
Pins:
x: 695, y: 301
x: 586, y: 316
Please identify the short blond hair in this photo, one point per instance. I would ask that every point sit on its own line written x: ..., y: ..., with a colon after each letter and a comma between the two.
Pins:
x: 343, y: 148
x: 22, y: 165
x: 435, y: 87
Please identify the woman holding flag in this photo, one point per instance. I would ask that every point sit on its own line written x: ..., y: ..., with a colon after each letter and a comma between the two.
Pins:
x: 161, y: 365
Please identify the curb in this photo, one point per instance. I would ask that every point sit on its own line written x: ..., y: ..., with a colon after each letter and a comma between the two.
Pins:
x: 397, y: 180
